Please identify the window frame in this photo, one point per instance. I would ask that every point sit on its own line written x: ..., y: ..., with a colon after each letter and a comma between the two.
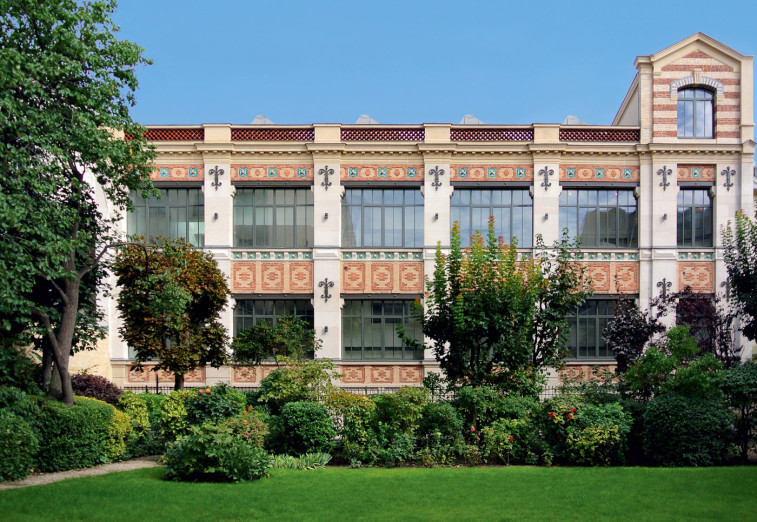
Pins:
x: 632, y: 239
x: 355, y: 210
x: 700, y: 102
x: 253, y: 204
x: 194, y: 204
x: 301, y: 307
x: 354, y: 311
x: 525, y: 240
x: 692, y: 207
x: 600, y: 321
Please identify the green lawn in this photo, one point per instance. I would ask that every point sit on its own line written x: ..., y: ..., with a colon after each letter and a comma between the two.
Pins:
x: 516, y: 493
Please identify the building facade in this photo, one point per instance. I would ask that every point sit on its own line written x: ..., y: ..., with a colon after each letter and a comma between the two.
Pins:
x: 339, y: 223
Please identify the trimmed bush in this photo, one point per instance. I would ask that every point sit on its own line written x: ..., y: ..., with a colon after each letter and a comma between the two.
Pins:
x: 686, y: 431
x: 214, y: 404
x: 352, y: 415
x: 249, y: 427
x: 595, y: 445
x: 75, y: 437
x: 18, y: 446
x: 95, y: 386
x: 303, y: 427
x: 212, y: 452
x: 18, y: 402
x: 142, y: 439
x: 119, y: 434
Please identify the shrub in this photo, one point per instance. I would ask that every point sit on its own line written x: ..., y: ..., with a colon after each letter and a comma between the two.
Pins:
x: 387, y: 446
x: 352, y: 415
x: 402, y: 410
x: 248, y: 426
x: 142, y: 440
x: 686, y: 431
x: 306, y: 461
x: 17, y: 370
x: 299, y: 380
x: 75, y: 437
x: 499, y: 440
x: 483, y: 405
x: 216, y: 403
x: 173, y: 415
x: 213, y: 452
x: 18, y: 402
x: 118, y: 435
x: 740, y: 387
x: 18, y: 446
x: 303, y: 427
x: 439, y: 433
x: 95, y: 386
x: 595, y: 445
x: 559, y: 416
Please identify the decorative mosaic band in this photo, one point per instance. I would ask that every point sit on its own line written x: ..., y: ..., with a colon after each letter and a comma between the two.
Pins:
x: 598, y: 173
x: 492, y: 173
x: 386, y: 256
x: 606, y: 256
x: 194, y: 172
x: 271, y: 172
x: 696, y: 172
x: 381, y: 172
x: 696, y: 256
x: 272, y: 255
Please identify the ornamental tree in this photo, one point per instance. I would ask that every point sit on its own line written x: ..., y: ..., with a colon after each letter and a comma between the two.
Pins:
x: 495, y: 319
x: 66, y: 82
x: 290, y: 336
x: 740, y: 253
x: 170, y: 301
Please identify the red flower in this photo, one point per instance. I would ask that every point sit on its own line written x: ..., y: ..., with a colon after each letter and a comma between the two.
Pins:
x: 573, y: 410
x: 570, y: 415
x: 551, y: 415
x: 512, y: 438
x: 472, y: 428
x: 207, y: 390
x: 199, y: 391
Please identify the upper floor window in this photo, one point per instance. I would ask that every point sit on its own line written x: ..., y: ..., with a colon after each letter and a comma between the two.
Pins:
x: 382, y: 218
x: 600, y: 218
x: 271, y: 218
x: 251, y: 311
x: 695, y: 109
x: 512, y: 211
x: 369, y: 330
x: 694, y: 218
x: 180, y: 213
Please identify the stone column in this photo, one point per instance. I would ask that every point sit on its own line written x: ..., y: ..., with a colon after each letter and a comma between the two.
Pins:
x: 546, y: 185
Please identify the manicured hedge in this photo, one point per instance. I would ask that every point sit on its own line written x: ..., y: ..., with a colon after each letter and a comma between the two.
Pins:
x: 18, y: 446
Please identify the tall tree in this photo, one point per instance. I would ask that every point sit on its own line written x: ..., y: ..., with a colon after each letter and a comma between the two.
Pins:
x: 170, y: 301
x: 494, y: 318
x: 66, y: 85
x: 740, y: 253
x: 290, y: 336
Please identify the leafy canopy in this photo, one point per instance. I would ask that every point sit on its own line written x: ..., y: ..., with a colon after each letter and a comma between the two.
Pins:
x: 290, y: 336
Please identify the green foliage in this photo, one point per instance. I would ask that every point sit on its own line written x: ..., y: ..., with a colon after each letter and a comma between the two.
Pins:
x: 435, y: 384
x: 595, y: 445
x: 352, y: 415
x: 142, y: 440
x: 491, y: 316
x: 291, y: 336
x: 119, y: 433
x: 303, y: 462
x: 18, y: 446
x: 16, y: 367
x: 740, y: 254
x: 629, y: 331
x: 171, y: 307
x: 740, y: 388
x: 216, y: 403
x: 402, y: 410
x: 65, y: 93
x: 303, y: 427
x: 73, y: 437
x: 498, y: 440
x: 248, y: 426
x: 439, y: 434
x: 214, y: 453
x: 558, y: 417
x: 96, y: 387
x: 298, y: 380
x: 483, y: 405
x: 686, y: 431
x: 18, y: 402
x: 173, y: 415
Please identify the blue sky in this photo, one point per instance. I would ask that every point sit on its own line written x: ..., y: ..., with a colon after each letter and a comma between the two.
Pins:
x: 300, y: 62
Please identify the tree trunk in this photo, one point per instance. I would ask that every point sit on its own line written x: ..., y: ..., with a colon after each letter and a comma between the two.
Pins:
x: 178, y: 383
x: 47, y: 364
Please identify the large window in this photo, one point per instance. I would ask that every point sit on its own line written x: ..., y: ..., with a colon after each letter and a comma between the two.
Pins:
x: 694, y: 218
x: 600, y: 218
x: 587, y: 325
x: 251, y: 311
x: 370, y: 330
x: 695, y: 113
x: 382, y: 218
x: 512, y: 211
x: 273, y: 218
x: 178, y: 214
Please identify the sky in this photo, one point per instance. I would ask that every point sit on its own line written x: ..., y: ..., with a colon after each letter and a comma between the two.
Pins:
x: 323, y: 61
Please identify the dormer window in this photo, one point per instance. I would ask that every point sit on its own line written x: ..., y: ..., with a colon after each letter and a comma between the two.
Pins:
x: 695, y: 110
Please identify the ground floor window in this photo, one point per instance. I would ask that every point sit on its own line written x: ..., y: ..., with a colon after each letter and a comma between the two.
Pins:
x: 251, y: 311
x: 587, y: 325
x: 369, y: 330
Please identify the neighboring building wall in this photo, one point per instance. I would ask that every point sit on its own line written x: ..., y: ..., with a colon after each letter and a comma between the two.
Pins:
x: 646, y: 166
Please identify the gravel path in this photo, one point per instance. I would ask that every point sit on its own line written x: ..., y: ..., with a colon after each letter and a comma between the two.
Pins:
x: 47, y: 478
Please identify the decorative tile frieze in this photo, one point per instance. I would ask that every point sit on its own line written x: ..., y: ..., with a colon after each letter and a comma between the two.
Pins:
x: 241, y: 172
x: 696, y: 172
x: 491, y: 172
x: 257, y: 254
x: 385, y: 255
x: 367, y: 172
x: 698, y: 275
x: 272, y: 277
x: 388, y: 277
x: 606, y: 256
x: 696, y: 256
x: 177, y: 173
x: 598, y: 173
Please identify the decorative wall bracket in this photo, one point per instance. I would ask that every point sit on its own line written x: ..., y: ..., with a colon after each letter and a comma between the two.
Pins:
x: 326, y: 172
x: 436, y: 172
x: 546, y: 172
x: 664, y: 286
x: 326, y: 284
x: 664, y: 172
x: 728, y: 173
x: 215, y: 173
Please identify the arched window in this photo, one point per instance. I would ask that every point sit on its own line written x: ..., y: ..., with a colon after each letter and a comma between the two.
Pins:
x: 695, y: 110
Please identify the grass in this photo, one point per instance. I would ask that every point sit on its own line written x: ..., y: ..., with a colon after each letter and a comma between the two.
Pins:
x: 514, y: 493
